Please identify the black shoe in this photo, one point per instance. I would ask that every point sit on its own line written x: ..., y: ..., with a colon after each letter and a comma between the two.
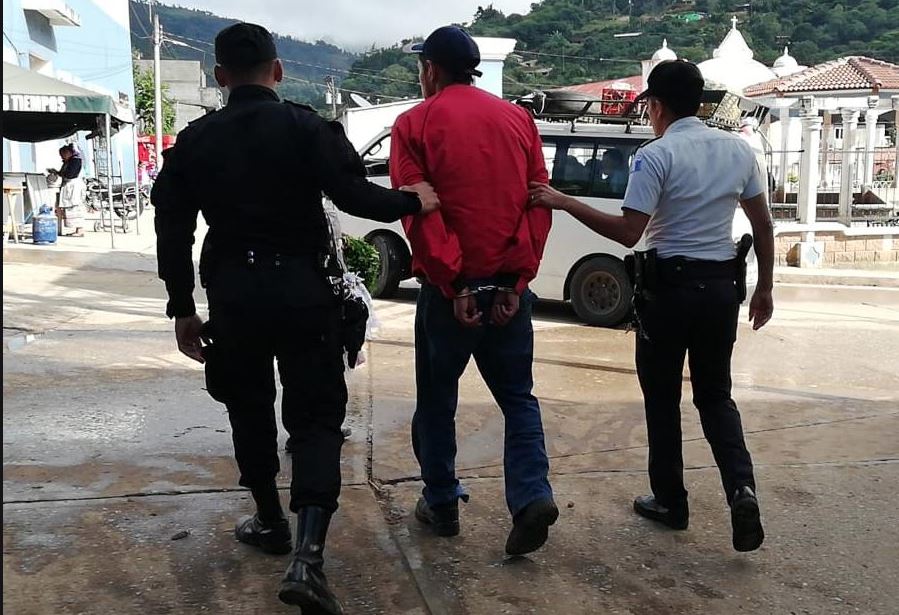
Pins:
x: 746, y: 521
x: 304, y: 585
x: 272, y: 538
x: 677, y: 518
x: 443, y: 518
x: 530, y: 527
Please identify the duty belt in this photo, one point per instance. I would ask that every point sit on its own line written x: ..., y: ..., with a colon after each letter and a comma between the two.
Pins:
x: 680, y: 268
x: 267, y: 257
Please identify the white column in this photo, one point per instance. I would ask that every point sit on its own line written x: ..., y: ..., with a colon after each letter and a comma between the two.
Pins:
x: 807, y: 202
x: 871, y: 114
x: 494, y: 52
x: 785, y: 123
x: 895, y: 101
x: 824, y: 158
x: 850, y: 124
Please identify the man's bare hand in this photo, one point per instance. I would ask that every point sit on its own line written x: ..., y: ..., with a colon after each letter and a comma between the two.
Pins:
x: 505, y: 306
x: 426, y: 194
x: 187, y: 333
x: 761, y: 308
x: 542, y: 195
x: 465, y: 308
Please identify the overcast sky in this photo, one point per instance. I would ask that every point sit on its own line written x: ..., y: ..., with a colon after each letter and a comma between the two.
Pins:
x: 353, y: 24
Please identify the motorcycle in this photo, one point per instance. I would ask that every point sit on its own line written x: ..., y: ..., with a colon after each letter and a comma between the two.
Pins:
x: 124, y: 201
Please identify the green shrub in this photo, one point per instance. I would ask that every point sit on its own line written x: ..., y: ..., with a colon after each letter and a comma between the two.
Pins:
x: 362, y: 259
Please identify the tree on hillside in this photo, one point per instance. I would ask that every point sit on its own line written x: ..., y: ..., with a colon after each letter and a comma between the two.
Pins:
x: 144, y: 102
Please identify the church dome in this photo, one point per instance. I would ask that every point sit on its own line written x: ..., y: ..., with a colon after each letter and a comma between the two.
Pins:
x: 664, y: 53
x: 732, y: 63
x: 786, y: 64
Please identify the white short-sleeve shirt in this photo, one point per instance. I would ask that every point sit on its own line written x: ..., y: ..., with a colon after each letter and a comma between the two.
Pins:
x: 690, y: 182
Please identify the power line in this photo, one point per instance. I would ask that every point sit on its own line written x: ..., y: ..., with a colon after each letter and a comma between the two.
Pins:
x: 572, y: 57
x: 333, y: 69
x: 321, y: 85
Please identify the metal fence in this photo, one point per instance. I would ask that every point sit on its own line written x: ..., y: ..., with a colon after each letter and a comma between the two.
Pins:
x: 871, y: 174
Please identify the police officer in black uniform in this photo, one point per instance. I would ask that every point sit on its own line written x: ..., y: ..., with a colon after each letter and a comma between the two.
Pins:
x: 257, y: 170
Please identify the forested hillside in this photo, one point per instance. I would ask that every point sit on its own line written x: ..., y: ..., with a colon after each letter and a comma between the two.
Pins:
x: 306, y: 64
x: 563, y: 42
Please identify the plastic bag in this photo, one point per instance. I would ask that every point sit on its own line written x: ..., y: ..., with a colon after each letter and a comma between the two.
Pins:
x: 359, y: 321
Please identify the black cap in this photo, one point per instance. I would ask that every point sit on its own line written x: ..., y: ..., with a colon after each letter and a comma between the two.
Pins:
x: 450, y: 47
x: 678, y: 84
x: 244, y: 45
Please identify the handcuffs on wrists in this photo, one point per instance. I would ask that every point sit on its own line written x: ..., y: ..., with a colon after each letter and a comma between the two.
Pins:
x: 484, y: 289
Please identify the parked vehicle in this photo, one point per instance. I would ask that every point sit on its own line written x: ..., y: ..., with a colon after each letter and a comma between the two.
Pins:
x: 124, y: 201
x: 590, y: 161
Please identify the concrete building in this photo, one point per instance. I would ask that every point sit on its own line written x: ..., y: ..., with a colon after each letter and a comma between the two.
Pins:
x: 187, y: 88
x: 83, y: 42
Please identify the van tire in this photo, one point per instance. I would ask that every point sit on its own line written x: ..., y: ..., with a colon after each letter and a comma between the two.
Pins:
x: 601, y: 292
x: 391, y: 255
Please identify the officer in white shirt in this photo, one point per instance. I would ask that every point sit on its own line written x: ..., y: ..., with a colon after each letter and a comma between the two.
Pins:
x: 683, y: 191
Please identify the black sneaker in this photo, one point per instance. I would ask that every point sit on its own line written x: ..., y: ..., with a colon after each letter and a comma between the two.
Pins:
x: 443, y: 518
x: 676, y: 517
x: 271, y: 538
x: 530, y: 527
x: 746, y: 520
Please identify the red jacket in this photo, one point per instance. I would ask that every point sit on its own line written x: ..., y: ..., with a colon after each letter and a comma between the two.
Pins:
x: 479, y: 152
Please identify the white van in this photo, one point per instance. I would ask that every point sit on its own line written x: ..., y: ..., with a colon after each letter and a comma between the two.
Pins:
x: 588, y: 161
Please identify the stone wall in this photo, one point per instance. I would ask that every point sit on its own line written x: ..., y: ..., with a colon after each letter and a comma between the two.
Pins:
x: 841, y: 249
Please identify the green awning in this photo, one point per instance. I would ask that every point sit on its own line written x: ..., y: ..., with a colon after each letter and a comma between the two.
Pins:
x: 40, y: 108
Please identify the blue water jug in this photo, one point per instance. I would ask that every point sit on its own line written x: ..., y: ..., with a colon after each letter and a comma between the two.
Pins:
x: 44, y: 226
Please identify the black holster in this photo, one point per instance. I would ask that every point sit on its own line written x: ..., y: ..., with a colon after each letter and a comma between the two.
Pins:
x: 219, y: 380
x: 743, y: 247
x: 642, y: 269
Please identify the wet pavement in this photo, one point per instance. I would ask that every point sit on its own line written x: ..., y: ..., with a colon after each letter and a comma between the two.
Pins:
x: 112, y: 449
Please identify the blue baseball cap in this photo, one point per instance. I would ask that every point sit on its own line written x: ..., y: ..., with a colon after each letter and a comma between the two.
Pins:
x: 450, y: 47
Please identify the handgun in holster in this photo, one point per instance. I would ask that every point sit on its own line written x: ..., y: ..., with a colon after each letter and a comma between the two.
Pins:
x: 743, y: 248
x: 642, y: 269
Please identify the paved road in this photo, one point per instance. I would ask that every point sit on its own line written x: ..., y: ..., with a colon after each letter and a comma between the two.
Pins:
x: 111, y: 448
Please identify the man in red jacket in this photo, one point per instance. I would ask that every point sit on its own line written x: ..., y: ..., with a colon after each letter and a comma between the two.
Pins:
x: 475, y: 258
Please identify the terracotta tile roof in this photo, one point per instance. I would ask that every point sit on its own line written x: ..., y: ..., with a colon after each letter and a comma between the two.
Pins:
x: 849, y: 73
x: 597, y: 87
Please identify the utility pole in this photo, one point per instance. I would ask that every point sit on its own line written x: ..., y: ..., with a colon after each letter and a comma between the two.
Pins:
x: 157, y: 79
x: 331, y: 95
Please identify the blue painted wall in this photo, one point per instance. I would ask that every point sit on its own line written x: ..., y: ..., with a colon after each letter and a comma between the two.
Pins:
x: 96, y: 55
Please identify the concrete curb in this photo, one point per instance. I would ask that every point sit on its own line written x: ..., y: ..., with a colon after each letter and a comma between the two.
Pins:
x: 85, y: 258
x: 20, y: 340
x: 835, y: 277
x: 123, y: 260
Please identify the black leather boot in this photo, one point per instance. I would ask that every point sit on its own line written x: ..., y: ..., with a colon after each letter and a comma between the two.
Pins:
x: 272, y: 537
x: 305, y: 584
x: 268, y: 529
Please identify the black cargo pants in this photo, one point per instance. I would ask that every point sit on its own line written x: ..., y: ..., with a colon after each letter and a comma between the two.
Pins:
x: 695, y: 316
x: 279, y: 309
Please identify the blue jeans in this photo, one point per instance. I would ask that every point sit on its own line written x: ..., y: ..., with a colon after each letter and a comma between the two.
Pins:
x: 504, y: 356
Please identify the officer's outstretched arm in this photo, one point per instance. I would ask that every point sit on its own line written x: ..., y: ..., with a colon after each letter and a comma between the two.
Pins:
x: 342, y: 176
